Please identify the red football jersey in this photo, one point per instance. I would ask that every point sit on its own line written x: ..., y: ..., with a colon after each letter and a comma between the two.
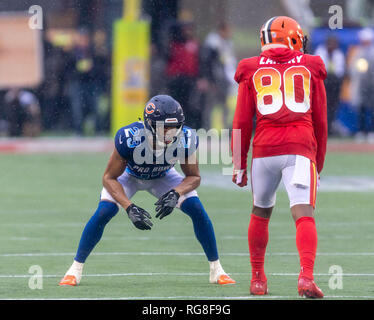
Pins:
x: 284, y: 89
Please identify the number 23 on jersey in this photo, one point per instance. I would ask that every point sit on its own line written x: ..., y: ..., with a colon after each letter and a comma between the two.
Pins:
x: 295, y: 94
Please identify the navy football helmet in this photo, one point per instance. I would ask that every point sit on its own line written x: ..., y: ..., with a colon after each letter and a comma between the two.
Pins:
x: 163, y: 119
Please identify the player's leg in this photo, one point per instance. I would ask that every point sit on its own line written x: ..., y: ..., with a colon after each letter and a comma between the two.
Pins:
x: 91, y: 235
x: 191, y: 205
x: 265, y: 178
x: 204, y: 232
x: 300, y: 179
x: 94, y: 229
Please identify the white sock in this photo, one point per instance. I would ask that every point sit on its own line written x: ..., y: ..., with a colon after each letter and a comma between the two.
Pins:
x: 215, y: 270
x: 216, y: 266
x: 75, y: 268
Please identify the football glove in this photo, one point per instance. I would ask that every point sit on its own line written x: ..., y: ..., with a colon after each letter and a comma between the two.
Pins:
x: 166, y: 204
x: 139, y: 217
x: 240, y: 178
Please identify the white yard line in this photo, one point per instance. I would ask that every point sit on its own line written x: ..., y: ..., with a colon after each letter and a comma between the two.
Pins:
x: 180, y: 274
x: 183, y: 238
x: 49, y: 254
x: 272, y: 224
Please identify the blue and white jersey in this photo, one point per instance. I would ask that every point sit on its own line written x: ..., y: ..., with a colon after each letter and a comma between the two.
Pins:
x: 145, y: 163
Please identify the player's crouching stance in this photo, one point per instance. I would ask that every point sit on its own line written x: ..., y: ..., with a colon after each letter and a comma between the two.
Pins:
x: 284, y: 88
x: 143, y: 159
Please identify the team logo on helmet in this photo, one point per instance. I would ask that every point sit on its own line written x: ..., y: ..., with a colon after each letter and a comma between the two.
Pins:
x: 150, y: 108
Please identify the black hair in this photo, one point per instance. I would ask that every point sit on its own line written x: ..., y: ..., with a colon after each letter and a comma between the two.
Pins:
x: 305, y: 42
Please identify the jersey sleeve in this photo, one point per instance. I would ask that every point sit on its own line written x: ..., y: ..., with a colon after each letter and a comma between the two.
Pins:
x: 120, y: 143
x: 319, y: 116
x: 317, y: 66
x: 245, y: 69
x: 242, y: 125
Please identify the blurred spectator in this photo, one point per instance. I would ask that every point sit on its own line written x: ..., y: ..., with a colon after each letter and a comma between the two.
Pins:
x: 361, y: 69
x: 218, y: 64
x: 360, y: 10
x: 334, y: 60
x: 163, y: 15
x: 83, y: 90
x: 157, y: 68
x: 21, y: 113
x: 53, y: 93
x: 102, y: 75
x: 182, y: 70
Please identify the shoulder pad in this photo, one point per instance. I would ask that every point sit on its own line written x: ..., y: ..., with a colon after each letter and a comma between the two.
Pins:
x: 245, y: 69
x: 128, y: 138
x: 316, y: 66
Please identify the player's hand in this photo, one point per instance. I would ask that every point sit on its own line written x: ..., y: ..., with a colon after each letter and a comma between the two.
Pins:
x: 166, y: 204
x: 240, y: 178
x: 139, y: 217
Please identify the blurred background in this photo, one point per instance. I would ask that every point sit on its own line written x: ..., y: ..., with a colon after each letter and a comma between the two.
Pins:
x: 74, y: 71
x: 93, y: 64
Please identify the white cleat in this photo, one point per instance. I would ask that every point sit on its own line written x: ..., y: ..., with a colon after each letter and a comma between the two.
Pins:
x: 73, y: 276
x: 218, y: 275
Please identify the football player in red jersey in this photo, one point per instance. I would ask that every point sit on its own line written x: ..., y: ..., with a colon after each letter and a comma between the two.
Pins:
x: 283, y: 88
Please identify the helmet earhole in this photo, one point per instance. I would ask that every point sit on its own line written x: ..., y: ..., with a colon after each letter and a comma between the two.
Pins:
x: 293, y: 41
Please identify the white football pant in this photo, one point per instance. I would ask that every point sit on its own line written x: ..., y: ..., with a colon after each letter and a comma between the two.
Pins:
x: 299, y: 176
x: 156, y: 187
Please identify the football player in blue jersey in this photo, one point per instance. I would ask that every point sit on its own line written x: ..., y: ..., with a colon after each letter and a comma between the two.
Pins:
x: 143, y: 159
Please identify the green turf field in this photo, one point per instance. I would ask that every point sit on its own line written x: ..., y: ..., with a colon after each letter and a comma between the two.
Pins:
x: 47, y: 199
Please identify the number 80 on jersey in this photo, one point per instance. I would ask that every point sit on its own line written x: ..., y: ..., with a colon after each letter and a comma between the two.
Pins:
x: 296, y: 89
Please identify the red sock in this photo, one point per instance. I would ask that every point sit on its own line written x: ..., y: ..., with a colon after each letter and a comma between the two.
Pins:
x: 306, y: 242
x: 258, y: 236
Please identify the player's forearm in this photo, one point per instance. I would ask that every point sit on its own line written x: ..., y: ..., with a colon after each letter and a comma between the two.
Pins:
x: 320, y: 130
x: 240, y: 143
x: 321, y: 152
x: 242, y: 127
x: 320, y: 123
x: 116, y: 191
x: 320, y: 162
x: 188, y: 184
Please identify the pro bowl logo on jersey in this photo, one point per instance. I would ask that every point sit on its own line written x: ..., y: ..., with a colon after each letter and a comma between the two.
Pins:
x: 150, y: 108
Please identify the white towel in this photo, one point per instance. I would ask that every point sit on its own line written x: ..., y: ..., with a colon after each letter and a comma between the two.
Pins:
x: 301, y: 175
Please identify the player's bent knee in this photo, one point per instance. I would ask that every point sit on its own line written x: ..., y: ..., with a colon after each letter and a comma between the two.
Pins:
x: 193, y: 207
x: 106, y: 210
